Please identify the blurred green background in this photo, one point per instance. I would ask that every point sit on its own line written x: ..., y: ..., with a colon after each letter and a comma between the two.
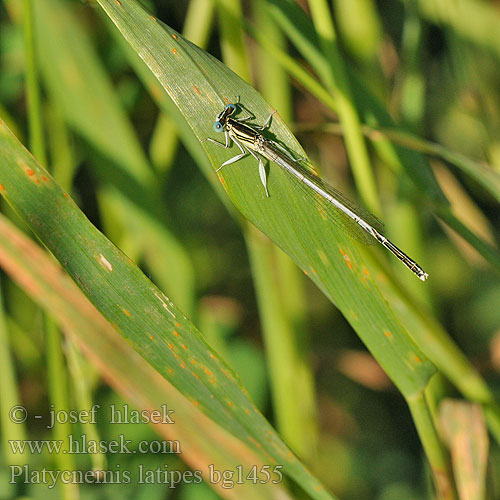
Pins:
x: 434, y: 66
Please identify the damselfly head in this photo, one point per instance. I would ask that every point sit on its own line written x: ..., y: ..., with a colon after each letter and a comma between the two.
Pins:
x: 223, y: 116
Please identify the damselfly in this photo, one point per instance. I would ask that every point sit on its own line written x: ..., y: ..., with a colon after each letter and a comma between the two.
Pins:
x: 356, y: 221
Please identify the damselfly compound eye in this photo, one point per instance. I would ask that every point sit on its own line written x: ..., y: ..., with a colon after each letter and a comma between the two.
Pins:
x: 218, y: 127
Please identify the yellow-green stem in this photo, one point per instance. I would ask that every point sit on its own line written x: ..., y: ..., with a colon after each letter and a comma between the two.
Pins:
x: 58, y: 392
x: 9, y: 396
x: 338, y: 83
x: 35, y: 122
x: 433, y: 446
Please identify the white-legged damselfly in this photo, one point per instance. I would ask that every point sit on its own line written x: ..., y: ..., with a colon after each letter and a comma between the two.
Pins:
x: 353, y: 219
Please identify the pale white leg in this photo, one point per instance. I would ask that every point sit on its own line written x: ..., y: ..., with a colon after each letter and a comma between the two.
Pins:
x: 213, y: 141
x: 244, y: 152
x: 263, y: 176
x: 262, y: 170
x: 249, y: 117
x: 234, y: 158
x: 267, y: 122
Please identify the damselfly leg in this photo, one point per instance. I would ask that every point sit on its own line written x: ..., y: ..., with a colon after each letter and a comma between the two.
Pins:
x: 244, y: 152
x: 266, y: 123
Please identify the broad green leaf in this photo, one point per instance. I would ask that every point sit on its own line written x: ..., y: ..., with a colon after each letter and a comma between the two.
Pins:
x: 200, y: 86
x: 35, y: 271
x: 149, y: 321
x: 404, y: 150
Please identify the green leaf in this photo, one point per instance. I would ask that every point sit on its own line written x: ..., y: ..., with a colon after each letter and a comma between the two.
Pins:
x: 200, y: 86
x: 123, y: 368
x: 137, y: 309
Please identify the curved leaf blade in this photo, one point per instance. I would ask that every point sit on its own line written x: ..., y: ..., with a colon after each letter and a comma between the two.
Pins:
x: 138, y: 310
x: 200, y: 85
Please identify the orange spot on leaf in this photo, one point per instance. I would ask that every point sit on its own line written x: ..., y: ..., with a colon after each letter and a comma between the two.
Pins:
x: 174, y: 51
x: 212, y: 356
x: 184, y: 346
x: 387, y: 334
x: 174, y: 36
x: 196, y: 89
x: 171, y: 346
x: 127, y: 313
x: 177, y: 325
x: 30, y: 171
x: 176, y: 333
x: 2, y: 188
x: 346, y: 258
x: 118, y: 2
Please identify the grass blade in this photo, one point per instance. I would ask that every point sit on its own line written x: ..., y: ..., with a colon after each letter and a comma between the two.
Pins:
x: 139, y: 311
x: 37, y: 273
x: 198, y: 85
